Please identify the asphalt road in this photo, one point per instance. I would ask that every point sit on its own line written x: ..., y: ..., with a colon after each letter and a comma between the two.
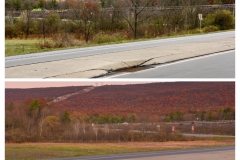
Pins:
x: 147, y: 155
x: 89, y: 51
x: 219, y: 65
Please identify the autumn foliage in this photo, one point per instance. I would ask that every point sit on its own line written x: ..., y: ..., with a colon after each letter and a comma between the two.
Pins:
x: 155, y: 98
x: 111, y: 113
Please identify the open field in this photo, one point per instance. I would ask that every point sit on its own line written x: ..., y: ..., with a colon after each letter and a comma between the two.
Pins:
x: 54, y: 150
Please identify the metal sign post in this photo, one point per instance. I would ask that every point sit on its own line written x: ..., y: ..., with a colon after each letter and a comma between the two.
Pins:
x: 200, y: 19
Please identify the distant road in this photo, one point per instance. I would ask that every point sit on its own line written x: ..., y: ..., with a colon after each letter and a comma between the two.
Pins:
x: 220, y: 65
x: 19, y: 60
x: 220, y: 153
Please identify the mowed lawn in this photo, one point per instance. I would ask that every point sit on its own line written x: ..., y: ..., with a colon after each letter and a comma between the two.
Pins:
x: 61, y: 150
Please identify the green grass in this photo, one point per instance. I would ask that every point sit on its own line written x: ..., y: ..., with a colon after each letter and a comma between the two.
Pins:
x: 30, y: 151
x: 40, y: 151
x: 15, y: 46
x: 23, y: 46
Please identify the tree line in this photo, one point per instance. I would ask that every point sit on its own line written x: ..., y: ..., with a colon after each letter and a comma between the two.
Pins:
x: 54, y: 4
x: 36, y: 121
x: 111, y: 21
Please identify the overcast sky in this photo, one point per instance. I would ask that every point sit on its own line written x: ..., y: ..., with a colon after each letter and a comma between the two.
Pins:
x: 60, y: 84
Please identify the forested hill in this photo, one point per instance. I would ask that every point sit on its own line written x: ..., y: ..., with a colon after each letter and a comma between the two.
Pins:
x: 153, y: 98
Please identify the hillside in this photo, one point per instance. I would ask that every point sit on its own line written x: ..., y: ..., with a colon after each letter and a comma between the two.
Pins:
x: 12, y: 95
x: 154, y: 98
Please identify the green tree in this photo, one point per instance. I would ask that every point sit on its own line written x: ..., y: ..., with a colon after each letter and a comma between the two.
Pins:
x: 122, y: 119
x: 227, y: 113
x: 179, y: 115
x: 210, y: 116
x: 167, y: 119
x: 66, y: 117
x: 52, y: 23
x: 35, y: 105
x: 132, y: 118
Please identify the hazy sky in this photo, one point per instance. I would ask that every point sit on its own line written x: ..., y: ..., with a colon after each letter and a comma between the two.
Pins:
x: 59, y: 84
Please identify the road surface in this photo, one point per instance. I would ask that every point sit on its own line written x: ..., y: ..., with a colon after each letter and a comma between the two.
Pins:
x: 220, y: 65
x: 19, y: 60
x: 220, y: 153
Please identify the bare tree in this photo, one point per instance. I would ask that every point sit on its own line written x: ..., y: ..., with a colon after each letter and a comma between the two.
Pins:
x: 83, y: 127
x: 106, y: 130
x: 76, y: 126
x: 132, y: 11
x: 27, y: 17
x: 84, y: 12
x: 95, y: 130
x: 44, y: 113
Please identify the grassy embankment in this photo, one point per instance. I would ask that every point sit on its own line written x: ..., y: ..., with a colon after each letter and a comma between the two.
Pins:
x: 26, y: 46
x: 57, y: 150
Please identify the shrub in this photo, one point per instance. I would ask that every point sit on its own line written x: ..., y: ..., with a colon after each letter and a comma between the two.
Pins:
x: 107, y: 38
x: 161, y: 137
x: 167, y: 119
x: 9, y: 32
x: 47, y: 44
x: 64, y: 40
x: 222, y: 19
x: 210, y: 29
x: 60, y: 41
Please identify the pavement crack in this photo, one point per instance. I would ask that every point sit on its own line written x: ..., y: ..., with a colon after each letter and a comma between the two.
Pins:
x: 147, y: 61
x: 126, y: 64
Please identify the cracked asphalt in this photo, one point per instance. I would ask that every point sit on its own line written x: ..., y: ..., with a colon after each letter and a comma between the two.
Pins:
x: 102, y: 64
